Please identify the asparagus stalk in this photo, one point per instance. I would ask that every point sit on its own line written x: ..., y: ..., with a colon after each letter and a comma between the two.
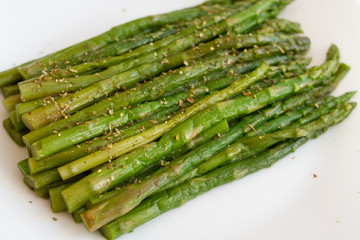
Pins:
x: 16, y: 136
x: 132, y: 195
x: 154, y: 46
x: 57, y: 203
x: 118, y: 32
x: 116, y: 102
x: 36, y: 90
x: 10, y: 102
x: 91, y: 129
x: 248, y: 123
x: 76, y: 214
x: 86, y: 63
x: 125, y: 200
x: 129, y: 164
x: 42, y: 192
x: 43, y: 179
x: 10, y: 90
x: 44, y: 88
x: 236, y: 151
x: 161, y: 85
x: 9, y: 77
x: 127, y: 145
x: 67, y: 137
x: 104, y: 87
x: 188, y: 38
x: 117, y: 47
x: 136, y: 156
x: 83, y: 149
x: 279, y: 25
x: 321, y: 108
x: 35, y: 67
x: 225, y: 110
x: 24, y: 167
x: 28, y: 106
x: 80, y: 192
x: 176, y: 196
x: 279, y: 72
x: 18, y: 125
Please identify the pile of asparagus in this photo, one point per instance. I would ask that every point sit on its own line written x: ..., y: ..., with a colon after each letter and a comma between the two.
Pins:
x: 140, y: 119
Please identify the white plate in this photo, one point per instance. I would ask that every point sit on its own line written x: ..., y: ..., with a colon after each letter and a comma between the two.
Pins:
x: 283, y: 202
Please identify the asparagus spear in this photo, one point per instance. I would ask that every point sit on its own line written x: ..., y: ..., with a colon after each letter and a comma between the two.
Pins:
x: 76, y: 214
x: 153, y: 133
x: 115, y: 49
x: 24, y: 167
x: 176, y: 196
x: 279, y: 25
x: 100, y: 89
x: 36, y: 67
x: 321, y: 108
x: 151, y: 48
x: 51, y: 87
x: 18, y: 125
x: 57, y: 204
x: 83, y: 149
x: 91, y: 129
x: 36, y: 90
x: 10, y: 102
x: 80, y: 192
x: 9, y: 77
x: 122, y: 99
x: 236, y: 151
x: 252, y: 121
x: 67, y: 137
x: 57, y: 201
x: 118, y: 32
x: 255, y: 120
x: 43, y: 179
x: 16, y: 136
x: 10, y: 90
x: 224, y: 110
x: 188, y: 39
x: 125, y: 200
x: 132, y: 195
x: 161, y: 85
x: 28, y: 106
x: 129, y: 164
x: 154, y: 155
x: 288, y: 70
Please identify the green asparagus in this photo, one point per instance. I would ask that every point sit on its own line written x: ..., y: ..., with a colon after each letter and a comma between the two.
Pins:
x: 124, y: 146
x: 132, y: 195
x: 80, y: 192
x: 90, y: 94
x: 118, y: 32
x: 224, y: 110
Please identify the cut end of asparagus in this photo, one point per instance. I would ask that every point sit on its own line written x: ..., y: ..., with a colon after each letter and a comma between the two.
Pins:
x: 36, y: 150
x: 24, y: 167
x: 27, y: 120
x: 16, y: 136
x: 108, y: 233
x: 9, y: 77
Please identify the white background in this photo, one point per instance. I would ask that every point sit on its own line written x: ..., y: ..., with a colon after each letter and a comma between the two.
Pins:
x: 283, y: 202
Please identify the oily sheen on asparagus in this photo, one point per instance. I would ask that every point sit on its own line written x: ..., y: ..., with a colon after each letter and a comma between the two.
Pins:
x: 138, y: 120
